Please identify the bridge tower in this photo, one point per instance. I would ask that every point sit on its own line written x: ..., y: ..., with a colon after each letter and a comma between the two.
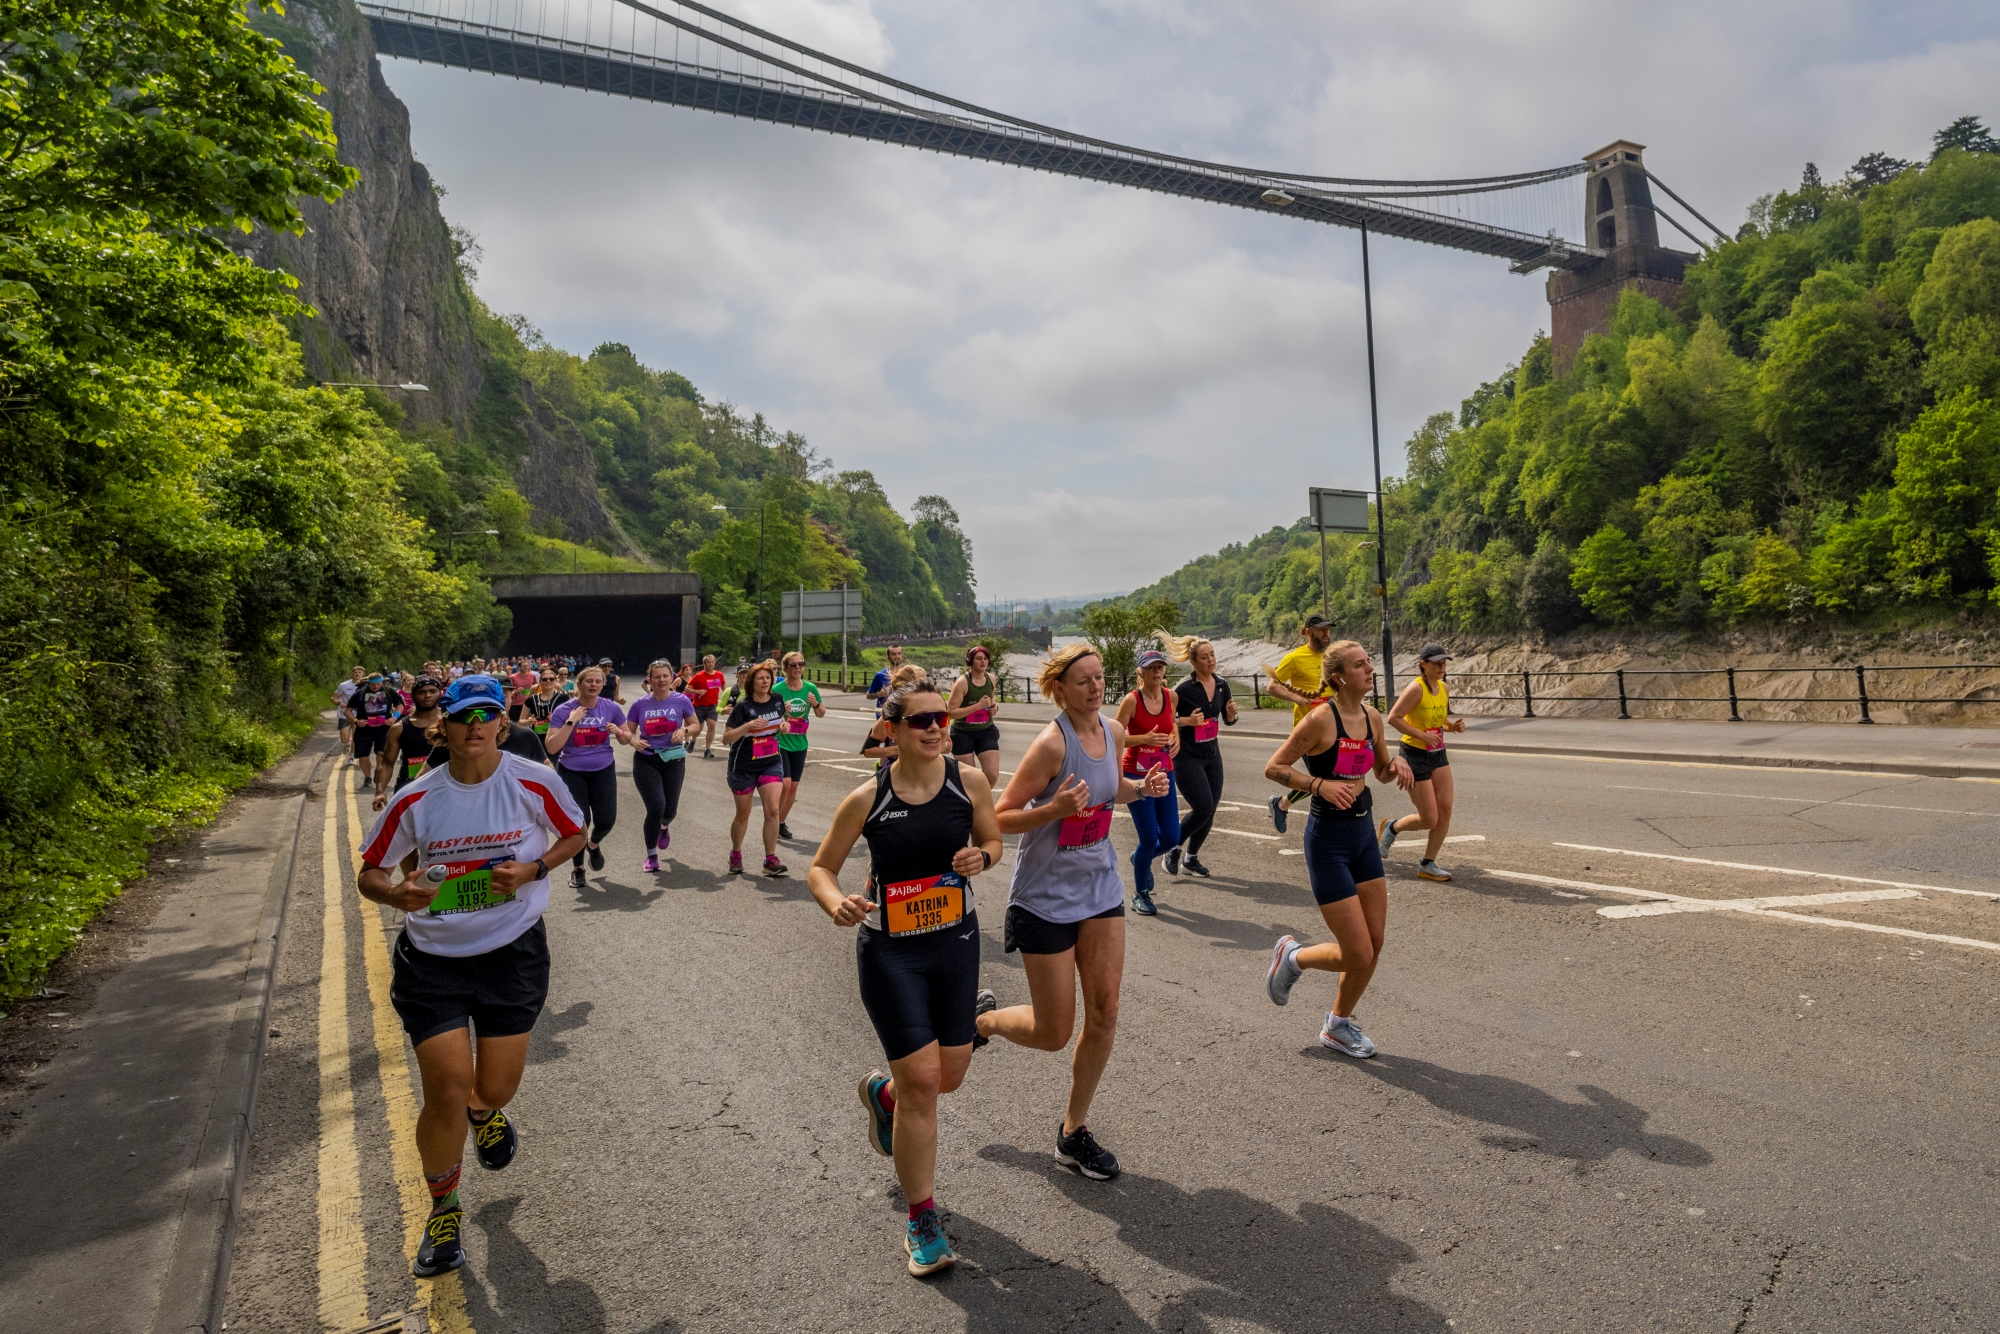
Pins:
x: 1618, y: 221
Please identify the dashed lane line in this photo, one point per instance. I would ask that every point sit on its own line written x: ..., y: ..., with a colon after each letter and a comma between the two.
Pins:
x: 343, y: 1247
x: 1801, y: 801
x: 1780, y: 870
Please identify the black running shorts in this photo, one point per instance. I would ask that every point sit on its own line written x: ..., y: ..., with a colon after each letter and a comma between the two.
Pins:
x: 975, y: 741
x: 704, y: 713
x: 920, y: 989
x: 795, y: 764
x: 369, y: 740
x: 1424, y: 763
x: 500, y: 992
x: 1030, y: 934
x: 1341, y: 854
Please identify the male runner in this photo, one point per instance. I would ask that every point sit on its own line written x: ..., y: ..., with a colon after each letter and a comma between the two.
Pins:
x: 1296, y: 680
x: 372, y: 708
x: 610, y: 681
x: 878, y: 689
x: 704, y: 689
x: 802, y: 705
x: 521, y: 682
x: 341, y: 694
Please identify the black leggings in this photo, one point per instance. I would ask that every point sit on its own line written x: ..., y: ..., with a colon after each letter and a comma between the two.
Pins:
x: 659, y: 784
x: 1201, y: 783
x: 596, y: 795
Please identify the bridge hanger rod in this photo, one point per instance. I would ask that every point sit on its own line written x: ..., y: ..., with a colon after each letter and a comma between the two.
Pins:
x: 1487, y: 182
x: 1719, y: 233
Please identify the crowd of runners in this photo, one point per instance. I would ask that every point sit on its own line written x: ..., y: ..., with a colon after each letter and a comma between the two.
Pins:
x: 488, y: 774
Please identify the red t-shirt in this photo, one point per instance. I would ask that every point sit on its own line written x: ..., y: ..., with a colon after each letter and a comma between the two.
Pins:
x: 522, y: 682
x: 705, y: 688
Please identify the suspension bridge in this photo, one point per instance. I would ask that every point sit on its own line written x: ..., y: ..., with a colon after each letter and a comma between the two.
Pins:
x: 685, y: 54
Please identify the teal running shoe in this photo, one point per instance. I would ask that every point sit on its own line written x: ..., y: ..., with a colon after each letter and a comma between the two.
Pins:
x: 928, y: 1247
x: 881, y: 1123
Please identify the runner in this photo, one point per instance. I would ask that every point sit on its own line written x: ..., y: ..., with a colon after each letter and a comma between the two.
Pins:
x: 880, y: 743
x: 1419, y: 714
x: 705, y: 689
x: 658, y: 725
x: 473, y: 953
x: 580, y: 736
x: 756, y: 764
x: 1065, y: 905
x: 341, y: 694
x: 974, y: 703
x: 372, y: 708
x: 878, y: 689
x: 1296, y: 680
x: 802, y: 704
x: 611, y: 687
x: 541, y: 703
x: 520, y: 685
x: 1147, y: 715
x: 1204, y: 708
x: 408, y: 749
x: 930, y: 827
x: 1341, y: 745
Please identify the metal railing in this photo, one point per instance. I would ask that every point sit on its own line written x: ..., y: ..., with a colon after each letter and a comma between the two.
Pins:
x: 1619, y: 686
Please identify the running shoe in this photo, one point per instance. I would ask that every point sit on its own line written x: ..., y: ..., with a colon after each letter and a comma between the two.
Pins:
x: 1285, y: 971
x: 1279, y: 815
x: 1430, y: 870
x: 1387, y: 835
x: 1080, y: 1152
x: 784, y: 831
x: 984, y: 1003
x: 772, y: 866
x: 1173, y: 861
x: 367, y: 783
x: 652, y: 862
x: 440, y: 1251
x: 736, y: 863
x: 576, y: 880
x: 1193, y: 866
x: 495, y: 1141
x: 596, y: 856
x: 928, y: 1247
x: 1345, y: 1036
x: 665, y: 840
x: 1142, y: 903
x: 881, y: 1122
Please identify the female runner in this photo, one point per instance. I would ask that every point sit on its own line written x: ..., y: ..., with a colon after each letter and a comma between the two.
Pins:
x: 930, y: 828
x: 1419, y: 714
x: 802, y: 704
x: 974, y: 704
x: 1204, y: 708
x: 756, y: 766
x: 1065, y: 906
x: 580, y: 737
x: 659, y: 723
x: 1147, y: 715
x: 1341, y: 745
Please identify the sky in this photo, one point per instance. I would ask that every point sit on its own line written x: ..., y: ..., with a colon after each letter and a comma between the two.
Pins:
x: 1107, y: 383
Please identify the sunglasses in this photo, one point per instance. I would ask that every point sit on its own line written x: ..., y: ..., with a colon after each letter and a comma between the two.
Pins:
x: 477, y: 714
x: 924, y: 722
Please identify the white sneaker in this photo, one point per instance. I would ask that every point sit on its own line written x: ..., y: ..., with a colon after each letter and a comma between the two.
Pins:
x: 1345, y: 1036
x: 1284, y: 970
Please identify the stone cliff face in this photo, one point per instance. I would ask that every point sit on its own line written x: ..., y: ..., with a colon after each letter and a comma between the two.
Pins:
x: 377, y: 265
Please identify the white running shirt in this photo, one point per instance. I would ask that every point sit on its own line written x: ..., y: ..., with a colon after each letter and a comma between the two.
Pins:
x: 515, y: 815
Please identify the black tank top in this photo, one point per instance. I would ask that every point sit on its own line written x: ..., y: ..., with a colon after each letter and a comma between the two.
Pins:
x: 1327, y: 764
x: 908, y: 842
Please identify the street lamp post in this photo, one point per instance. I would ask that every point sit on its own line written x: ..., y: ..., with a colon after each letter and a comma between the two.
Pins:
x: 1381, y: 516
x: 762, y: 512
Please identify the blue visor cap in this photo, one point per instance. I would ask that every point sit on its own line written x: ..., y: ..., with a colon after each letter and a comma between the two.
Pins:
x: 470, y: 692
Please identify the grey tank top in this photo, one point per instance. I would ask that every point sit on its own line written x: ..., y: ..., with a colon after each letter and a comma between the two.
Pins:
x: 1061, y: 883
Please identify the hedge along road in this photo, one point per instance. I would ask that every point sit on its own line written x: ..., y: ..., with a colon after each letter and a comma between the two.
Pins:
x: 1724, y: 1119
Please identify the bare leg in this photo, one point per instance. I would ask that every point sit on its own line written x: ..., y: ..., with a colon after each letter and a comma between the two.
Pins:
x: 791, y: 795
x: 454, y: 1082
x: 915, y: 1082
x: 1423, y: 795
x: 1046, y: 1021
x: 741, y: 824
x: 1441, y: 787
x: 772, y: 794
x: 989, y: 764
x: 1100, y: 963
x: 1358, y: 925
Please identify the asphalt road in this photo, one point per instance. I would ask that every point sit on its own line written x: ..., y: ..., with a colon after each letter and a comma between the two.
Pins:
x: 1674, y: 1117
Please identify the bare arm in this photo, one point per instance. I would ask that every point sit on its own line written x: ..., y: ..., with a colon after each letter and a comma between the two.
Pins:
x: 1399, y: 712
x: 823, y: 877
x: 412, y: 893
x: 1310, y: 737
x: 1389, y: 767
x: 955, y: 704
x: 1037, y: 769
x: 968, y: 861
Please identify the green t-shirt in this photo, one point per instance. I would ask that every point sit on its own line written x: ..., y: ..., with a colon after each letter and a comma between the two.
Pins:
x: 973, y: 695
x: 798, y: 712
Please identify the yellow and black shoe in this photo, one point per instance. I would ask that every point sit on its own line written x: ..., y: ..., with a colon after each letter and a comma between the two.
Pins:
x: 494, y: 1140
x: 440, y: 1252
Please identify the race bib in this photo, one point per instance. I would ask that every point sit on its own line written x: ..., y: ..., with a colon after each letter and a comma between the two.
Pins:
x: 541, y: 729
x: 763, y: 747
x: 468, y: 887
x: 1085, y: 830
x: 658, y: 725
x: 1209, y: 730
x: 590, y: 735
x: 1436, y: 737
x: 931, y: 904
x: 979, y: 718
x: 1355, y: 757
x: 1150, y: 758
x: 411, y: 768
x: 797, y: 726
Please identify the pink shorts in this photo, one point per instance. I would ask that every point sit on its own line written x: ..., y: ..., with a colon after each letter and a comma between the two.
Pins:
x: 761, y: 780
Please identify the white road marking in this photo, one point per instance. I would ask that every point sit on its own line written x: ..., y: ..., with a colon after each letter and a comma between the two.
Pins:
x: 1240, y: 833
x: 1416, y: 842
x: 1781, y: 870
x: 1690, y: 764
x: 1801, y: 801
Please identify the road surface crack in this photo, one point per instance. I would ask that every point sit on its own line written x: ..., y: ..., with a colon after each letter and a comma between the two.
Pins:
x: 1771, y: 1281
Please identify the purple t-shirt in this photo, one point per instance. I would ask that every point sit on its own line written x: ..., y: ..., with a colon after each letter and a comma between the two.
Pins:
x: 589, y: 746
x: 658, y: 722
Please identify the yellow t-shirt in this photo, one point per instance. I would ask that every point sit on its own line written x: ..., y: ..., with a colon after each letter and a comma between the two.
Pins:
x: 1427, y: 716
x: 1300, y: 669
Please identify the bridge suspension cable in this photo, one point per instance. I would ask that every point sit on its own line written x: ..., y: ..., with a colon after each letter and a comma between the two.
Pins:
x: 685, y: 53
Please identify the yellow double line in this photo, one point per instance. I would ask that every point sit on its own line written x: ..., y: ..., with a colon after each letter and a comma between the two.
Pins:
x: 343, y: 1246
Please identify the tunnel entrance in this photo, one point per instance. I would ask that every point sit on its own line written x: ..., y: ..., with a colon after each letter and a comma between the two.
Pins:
x: 628, y: 618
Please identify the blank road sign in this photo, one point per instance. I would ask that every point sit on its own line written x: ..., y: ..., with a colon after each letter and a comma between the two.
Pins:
x: 1334, y: 511
x: 827, y: 611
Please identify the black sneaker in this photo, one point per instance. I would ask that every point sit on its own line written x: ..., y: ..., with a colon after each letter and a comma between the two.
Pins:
x: 1278, y: 813
x: 784, y: 831
x: 1080, y: 1152
x: 1173, y: 861
x: 1142, y: 903
x: 367, y: 783
x: 494, y: 1139
x: 984, y: 1003
x: 440, y: 1251
x: 576, y: 880
x: 596, y: 856
x: 1192, y: 865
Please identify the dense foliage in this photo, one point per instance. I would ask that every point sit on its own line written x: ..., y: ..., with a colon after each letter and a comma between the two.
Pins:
x: 1812, y: 434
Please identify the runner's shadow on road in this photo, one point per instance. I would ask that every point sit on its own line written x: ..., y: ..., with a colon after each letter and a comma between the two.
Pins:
x: 511, y: 1291
x: 546, y: 1043
x: 1318, y: 1269
x: 1272, y: 893
x: 1221, y: 932
x: 1004, y: 1288
x: 1583, y: 1132
x: 614, y: 896
x: 684, y: 876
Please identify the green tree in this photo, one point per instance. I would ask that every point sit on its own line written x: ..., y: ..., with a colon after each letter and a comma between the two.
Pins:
x: 1609, y: 575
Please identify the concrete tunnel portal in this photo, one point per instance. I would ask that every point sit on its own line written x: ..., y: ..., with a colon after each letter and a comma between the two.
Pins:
x: 629, y: 618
